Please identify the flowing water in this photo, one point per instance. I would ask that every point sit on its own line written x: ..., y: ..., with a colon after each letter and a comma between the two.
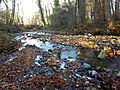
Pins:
x: 87, y: 55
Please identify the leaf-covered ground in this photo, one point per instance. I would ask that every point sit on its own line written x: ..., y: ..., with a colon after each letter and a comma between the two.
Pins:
x: 23, y: 72
x: 110, y: 45
x: 7, y: 44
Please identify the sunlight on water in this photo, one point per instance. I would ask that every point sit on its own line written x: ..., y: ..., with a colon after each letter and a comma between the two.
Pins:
x: 11, y: 58
x: 62, y: 66
x: 45, y: 46
x: 70, y: 52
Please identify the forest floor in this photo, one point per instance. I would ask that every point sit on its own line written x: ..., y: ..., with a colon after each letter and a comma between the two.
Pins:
x: 59, y: 60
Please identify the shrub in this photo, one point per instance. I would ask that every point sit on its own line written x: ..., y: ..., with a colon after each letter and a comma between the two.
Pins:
x: 62, y: 17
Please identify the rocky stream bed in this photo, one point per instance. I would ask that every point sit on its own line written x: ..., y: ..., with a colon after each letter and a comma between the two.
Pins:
x: 62, y: 62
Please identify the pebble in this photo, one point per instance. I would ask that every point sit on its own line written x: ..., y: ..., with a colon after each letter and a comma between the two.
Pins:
x: 31, y: 75
x: 78, y: 57
x: 118, y: 74
x: 106, y: 70
x: 37, y: 63
x: 98, y: 68
x: 89, y: 78
x: 94, y: 72
x: 93, y: 88
x: 70, y: 76
x: 77, y: 75
x: 85, y: 65
x: 87, y: 82
x: 77, y: 85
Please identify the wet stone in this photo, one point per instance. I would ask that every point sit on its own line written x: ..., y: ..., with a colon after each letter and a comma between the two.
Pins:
x: 85, y: 65
x: 118, y: 74
x: 106, y: 70
x: 78, y: 57
x: 93, y: 72
x: 98, y: 68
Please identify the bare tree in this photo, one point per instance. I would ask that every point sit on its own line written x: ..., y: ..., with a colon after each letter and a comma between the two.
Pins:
x: 36, y: 19
x: 0, y: 1
x: 41, y: 12
x: 47, y: 17
x: 69, y: 2
x: 7, y: 11
x: 12, y: 16
x: 56, y: 3
x: 117, y: 10
x: 108, y: 11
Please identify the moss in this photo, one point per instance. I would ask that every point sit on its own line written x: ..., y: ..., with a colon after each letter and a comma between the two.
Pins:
x: 6, y: 43
x: 2, y: 48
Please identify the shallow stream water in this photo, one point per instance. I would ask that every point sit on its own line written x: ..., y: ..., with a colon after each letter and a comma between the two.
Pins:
x: 87, y: 56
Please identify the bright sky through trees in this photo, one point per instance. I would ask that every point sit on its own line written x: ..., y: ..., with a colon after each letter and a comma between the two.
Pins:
x: 29, y: 7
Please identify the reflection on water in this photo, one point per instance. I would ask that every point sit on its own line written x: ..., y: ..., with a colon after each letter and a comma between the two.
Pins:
x: 45, y: 46
x: 11, y: 58
x: 86, y: 55
x: 70, y: 52
x: 62, y: 66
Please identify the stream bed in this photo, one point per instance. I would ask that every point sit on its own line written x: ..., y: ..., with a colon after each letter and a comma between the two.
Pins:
x: 32, y: 38
x: 73, y: 63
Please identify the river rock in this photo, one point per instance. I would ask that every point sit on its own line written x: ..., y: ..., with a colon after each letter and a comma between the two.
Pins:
x: 93, y: 72
x: 101, y: 54
x: 78, y: 57
x: 98, y: 68
x: 87, y: 82
x: 77, y: 75
x: 85, y: 65
x: 118, y: 74
x: 106, y: 70
x: 77, y: 85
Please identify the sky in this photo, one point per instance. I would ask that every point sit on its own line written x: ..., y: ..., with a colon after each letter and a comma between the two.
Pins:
x: 29, y: 7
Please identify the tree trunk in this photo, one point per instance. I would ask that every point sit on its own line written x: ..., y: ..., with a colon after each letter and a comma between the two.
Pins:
x: 101, y: 10
x: 47, y: 15
x: 83, y: 11
x: 117, y: 10
x: 64, y: 1
x: 7, y: 16
x: 7, y: 13
x: 79, y: 11
x: 108, y: 10
x: 12, y: 17
x: 112, y: 7
x: 95, y: 11
x: 0, y: 1
x: 56, y: 3
x: 41, y: 12
x: 69, y: 2
x: 108, y: 13
x: 74, y: 12
x: 18, y: 18
x: 103, y: 18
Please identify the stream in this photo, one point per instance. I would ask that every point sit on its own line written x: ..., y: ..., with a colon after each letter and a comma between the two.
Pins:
x: 88, y: 62
x: 32, y: 38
